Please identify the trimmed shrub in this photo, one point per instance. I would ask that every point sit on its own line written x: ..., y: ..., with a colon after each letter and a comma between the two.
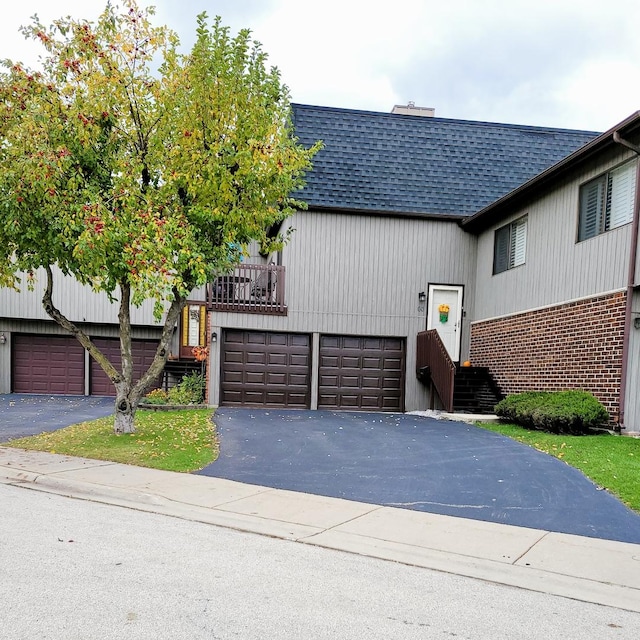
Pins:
x: 574, y: 412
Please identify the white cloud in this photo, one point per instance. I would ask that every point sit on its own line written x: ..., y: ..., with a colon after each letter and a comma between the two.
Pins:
x: 562, y: 63
x: 602, y: 90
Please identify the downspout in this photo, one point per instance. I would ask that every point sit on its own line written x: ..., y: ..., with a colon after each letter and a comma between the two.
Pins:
x: 633, y: 258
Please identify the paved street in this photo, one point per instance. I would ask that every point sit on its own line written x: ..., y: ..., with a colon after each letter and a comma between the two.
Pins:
x: 75, y: 570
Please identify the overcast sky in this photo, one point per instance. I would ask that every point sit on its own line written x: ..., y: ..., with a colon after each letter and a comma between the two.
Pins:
x: 561, y: 63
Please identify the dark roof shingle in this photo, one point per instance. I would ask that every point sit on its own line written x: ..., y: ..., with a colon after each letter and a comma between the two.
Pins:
x: 393, y: 163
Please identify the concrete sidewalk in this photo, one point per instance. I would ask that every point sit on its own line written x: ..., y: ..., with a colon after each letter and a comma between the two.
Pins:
x: 588, y: 569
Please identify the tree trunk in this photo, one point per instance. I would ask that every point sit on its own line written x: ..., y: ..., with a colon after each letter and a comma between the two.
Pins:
x: 127, y: 394
x: 124, y: 415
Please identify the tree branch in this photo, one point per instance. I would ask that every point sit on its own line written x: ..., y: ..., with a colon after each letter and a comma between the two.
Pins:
x: 80, y: 335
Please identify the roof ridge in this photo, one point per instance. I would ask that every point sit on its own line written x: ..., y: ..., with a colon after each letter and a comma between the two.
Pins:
x: 425, y: 119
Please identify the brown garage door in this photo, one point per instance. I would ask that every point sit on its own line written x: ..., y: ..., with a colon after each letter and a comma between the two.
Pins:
x: 143, y: 352
x: 47, y: 364
x: 263, y: 369
x: 361, y: 373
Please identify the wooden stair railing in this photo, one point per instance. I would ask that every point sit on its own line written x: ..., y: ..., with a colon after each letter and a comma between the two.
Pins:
x: 433, y: 355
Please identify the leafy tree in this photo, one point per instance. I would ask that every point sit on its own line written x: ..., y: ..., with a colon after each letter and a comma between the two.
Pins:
x: 138, y: 170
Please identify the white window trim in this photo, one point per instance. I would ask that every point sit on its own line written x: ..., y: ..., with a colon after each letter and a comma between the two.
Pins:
x: 607, y: 202
x: 513, y: 253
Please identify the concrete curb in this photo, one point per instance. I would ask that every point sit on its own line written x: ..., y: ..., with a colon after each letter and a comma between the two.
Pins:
x: 586, y: 569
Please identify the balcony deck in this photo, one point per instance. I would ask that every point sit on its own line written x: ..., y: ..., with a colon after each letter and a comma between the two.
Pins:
x: 251, y: 288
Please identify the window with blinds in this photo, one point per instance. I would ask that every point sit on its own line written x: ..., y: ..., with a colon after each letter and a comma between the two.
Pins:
x: 607, y: 201
x: 510, y: 245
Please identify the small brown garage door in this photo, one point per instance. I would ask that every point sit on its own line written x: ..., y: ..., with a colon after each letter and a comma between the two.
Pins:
x: 143, y: 352
x: 47, y: 364
x: 263, y: 369
x: 361, y: 373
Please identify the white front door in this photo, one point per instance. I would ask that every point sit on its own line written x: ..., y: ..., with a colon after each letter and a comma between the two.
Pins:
x: 445, y: 315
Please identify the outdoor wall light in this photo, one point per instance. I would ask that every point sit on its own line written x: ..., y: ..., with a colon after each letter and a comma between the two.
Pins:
x: 214, y: 337
x: 636, y: 325
x: 3, y: 338
x: 422, y: 297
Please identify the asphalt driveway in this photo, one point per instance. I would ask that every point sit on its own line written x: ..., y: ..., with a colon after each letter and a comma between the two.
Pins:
x: 24, y: 415
x: 418, y: 463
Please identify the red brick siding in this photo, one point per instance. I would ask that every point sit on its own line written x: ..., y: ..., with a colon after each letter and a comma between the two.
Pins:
x: 577, y: 345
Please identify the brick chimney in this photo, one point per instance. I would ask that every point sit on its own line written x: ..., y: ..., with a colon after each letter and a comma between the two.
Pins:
x: 411, y: 110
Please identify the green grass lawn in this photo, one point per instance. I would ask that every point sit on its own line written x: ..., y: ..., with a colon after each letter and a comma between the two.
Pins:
x: 612, y: 462
x: 171, y: 440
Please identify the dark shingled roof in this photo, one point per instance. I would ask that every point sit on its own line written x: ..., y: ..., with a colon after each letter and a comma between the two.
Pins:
x: 389, y: 163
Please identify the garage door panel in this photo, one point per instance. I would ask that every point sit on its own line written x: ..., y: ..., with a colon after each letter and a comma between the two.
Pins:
x: 255, y: 377
x: 361, y: 372
x: 296, y: 399
x: 47, y: 364
x: 276, y: 398
x: 233, y: 398
x: 277, y: 359
x: 329, y: 361
x: 275, y: 369
x: 299, y: 340
x: 233, y: 356
x: 253, y: 397
x: 277, y: 339
x: 329, y: 401
x: 256, y: 357
x: 299, y: 360
x: 329, y: 342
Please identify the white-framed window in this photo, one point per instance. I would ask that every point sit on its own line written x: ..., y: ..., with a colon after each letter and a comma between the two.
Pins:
x: 510, y: 245
x: 607, y: 201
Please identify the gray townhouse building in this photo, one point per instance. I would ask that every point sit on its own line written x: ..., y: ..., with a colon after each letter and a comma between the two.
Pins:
x: 429, y: 243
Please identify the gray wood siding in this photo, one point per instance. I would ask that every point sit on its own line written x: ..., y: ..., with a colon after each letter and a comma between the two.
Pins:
x: 557, y: 268
x: 361, y: 275
x: 77, y: 302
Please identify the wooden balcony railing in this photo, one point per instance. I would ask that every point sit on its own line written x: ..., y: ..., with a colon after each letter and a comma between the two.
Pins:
x: 251, y: 288
x: 433, y: 355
